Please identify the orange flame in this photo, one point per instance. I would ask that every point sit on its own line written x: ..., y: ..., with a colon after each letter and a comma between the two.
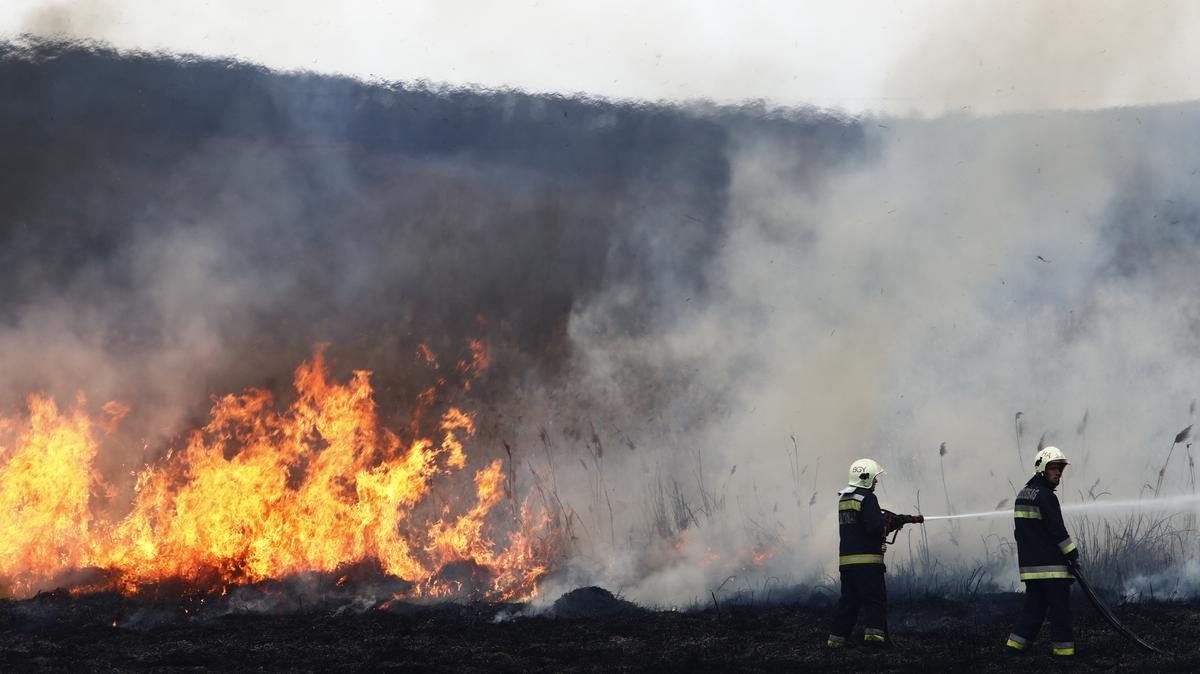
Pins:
x: 259, y: 493
x: 45, y: 482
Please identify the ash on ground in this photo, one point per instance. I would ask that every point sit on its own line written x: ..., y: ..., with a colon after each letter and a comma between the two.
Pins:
x: 587, y: 629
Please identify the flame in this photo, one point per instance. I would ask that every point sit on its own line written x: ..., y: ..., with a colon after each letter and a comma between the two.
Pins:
x: 478, y: 363
x: 760, y: 555
x: 262, y: 493
x: 45, y: 483
x: 427, y: 354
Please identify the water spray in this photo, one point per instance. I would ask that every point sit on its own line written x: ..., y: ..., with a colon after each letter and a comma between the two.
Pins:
x: 1168, y: 503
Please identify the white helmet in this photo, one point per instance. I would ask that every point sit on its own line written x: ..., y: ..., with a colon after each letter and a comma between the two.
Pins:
x: 864, y: 472
x: 1047, y: 456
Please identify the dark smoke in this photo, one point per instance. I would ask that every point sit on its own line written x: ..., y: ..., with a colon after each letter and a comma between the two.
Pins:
x: 173, y: 229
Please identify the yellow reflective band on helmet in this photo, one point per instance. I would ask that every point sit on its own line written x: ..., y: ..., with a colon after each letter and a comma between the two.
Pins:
x: 849, y: 505
x: 1067, y: 546
x: 845, y: 560
x: 1015, y: 644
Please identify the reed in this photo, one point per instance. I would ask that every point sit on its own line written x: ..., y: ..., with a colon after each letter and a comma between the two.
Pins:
x: 1181, y: 436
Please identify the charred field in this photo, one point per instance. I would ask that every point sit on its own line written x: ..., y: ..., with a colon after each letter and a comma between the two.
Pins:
x: 592, y: 632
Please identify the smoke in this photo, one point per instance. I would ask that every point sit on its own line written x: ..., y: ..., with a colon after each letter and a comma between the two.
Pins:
x: 925, y: 56
x: 178, y: 230
x: 60, y: 19
x: 161, y: 216
x: 699, y: 315
x: 956, y: 272
x: 992, y: 58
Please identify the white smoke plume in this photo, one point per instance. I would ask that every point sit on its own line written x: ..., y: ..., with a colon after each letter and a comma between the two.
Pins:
x: 962, y: 271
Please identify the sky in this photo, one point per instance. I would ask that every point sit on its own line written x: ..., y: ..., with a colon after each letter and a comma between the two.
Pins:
x: 924, y: 57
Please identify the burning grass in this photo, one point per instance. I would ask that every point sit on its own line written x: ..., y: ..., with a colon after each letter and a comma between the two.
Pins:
x: 358, y: 612
x: 262, y: 492
x: 314, y: 505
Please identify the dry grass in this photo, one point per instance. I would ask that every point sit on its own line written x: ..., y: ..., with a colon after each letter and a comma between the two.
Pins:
x: 1113, y: 552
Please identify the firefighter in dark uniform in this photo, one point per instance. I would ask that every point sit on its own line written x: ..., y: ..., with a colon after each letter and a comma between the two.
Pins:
x: 1045, y: 553
x: 862, y: 526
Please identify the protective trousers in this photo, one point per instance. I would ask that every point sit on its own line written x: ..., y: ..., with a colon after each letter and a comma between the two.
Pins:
x: 1041, y: 595
x: 863, y: 586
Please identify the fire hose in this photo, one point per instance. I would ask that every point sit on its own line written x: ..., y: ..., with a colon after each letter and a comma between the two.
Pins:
x: 1095, y: 601
x: 1107, y: 614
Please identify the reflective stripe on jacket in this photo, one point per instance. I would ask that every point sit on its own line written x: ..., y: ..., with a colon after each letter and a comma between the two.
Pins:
x: 860, y: 527
x: 1042, y: 540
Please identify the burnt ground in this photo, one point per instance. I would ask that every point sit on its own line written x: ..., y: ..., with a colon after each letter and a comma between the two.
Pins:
x: 62, y: 633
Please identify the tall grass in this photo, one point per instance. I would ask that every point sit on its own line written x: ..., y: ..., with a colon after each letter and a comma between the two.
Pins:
x: 1117, y: 554
x: 1115, y: 551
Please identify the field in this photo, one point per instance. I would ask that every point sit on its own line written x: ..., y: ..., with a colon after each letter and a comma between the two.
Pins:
x: 58, y: 632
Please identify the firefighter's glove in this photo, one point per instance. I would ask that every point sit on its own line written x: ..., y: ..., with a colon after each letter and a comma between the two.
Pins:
x: 1073, y: 557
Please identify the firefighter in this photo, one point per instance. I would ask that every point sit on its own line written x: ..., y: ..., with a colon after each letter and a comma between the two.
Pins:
x: 1045, y: 554
x: 862, y: 526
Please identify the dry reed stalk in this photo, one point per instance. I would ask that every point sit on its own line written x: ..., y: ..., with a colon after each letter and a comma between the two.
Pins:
x: 1081, y: 433
x: 1181, y: 436
x: 1019, y: 427
x: 946, y: 494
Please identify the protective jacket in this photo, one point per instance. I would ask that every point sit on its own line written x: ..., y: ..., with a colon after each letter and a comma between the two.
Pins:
x: 1043, y: 546
x: 861, y: 527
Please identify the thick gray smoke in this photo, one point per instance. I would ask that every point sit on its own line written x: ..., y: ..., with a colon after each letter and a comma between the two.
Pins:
x: 699, y: 316
x: 177, y: 230
x: 962, y: 272
x: 962, y: 291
